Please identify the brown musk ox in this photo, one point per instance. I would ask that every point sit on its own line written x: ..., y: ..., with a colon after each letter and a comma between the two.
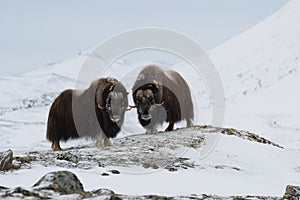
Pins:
x: 96, y: 112
x: 162, y: 96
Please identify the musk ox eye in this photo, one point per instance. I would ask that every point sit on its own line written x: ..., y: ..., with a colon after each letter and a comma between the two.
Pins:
x: 152, y: 100
x: 108, y: 104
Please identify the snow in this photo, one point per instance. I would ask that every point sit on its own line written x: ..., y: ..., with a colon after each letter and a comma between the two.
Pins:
x: 260, y: 72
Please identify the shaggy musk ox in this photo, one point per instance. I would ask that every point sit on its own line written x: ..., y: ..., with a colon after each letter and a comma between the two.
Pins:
x: 161, y: 96
x: 78, y: 113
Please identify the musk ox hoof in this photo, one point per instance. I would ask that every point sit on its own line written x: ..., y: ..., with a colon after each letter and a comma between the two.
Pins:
x: 189, y: 123
x: 170, y: 127
x: 107, y: 142
x: 56, y: 146
x: 151, y: 131
x: 99, y: 139
x: 57, y: 149
x: 99, y: 144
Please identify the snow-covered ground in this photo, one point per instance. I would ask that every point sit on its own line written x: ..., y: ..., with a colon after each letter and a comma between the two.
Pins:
x: 260, y: 72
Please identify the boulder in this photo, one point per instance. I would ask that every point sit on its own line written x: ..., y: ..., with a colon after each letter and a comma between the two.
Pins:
x: 63, y: 182
x: 6, y: 159
x: 292, y: 192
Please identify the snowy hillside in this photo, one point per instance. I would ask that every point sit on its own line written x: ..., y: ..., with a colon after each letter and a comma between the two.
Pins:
x: 263, y: 55
x: 260, y: 72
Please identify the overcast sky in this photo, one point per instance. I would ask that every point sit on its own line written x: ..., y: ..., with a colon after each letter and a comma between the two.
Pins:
x: 35, y: 33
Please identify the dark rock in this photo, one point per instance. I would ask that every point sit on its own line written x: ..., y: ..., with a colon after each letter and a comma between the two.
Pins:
x: 104, y: 174
x: 172, y: 169
x: 63, y: 182
x: 68, y: 157
x: 23, y: 192
x: 3, y: 188
x: 292, y: 192
x: 6, y: 159
x: 115, y: 171
x: 25, y: 159
x: 149, y: 164
x: 156, y: 197
x: 101, y: 165
x: 115, y: 197
x: 103, y: 191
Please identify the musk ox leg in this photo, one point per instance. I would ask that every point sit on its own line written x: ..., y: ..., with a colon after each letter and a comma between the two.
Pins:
x: 170, y: 127
x: 152, y: 130
x: 189, y: 123
x: 99, y: 138
x: 107, y: 141
x: 56, y: 146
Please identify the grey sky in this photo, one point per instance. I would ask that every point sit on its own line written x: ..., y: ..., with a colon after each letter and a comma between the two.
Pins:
x: 34, y: 33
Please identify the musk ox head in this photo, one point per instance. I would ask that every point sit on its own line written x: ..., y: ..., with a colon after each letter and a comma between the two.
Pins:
x: 111, y: 97
x: 146, y: 99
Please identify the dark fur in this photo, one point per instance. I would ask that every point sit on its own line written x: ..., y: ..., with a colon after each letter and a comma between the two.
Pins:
x: 71, y: 114
x: 170, y: 90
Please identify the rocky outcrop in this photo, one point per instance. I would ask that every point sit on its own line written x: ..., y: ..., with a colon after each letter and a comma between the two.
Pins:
x: 6, y: 159
x: 292, y: 192
x: 66, y: 185
x: 161, y: 150
x: 238, y: 133
x: 157, y: 151
x: 52, y: 185
x: 63, y: 182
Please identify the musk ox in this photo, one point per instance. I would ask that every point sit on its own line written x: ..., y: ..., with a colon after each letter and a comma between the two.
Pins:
x: 162, y: 96
x: 96, y: 112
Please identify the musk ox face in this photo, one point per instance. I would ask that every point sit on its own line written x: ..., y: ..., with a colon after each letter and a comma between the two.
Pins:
x: 116, y: 106
x: 145, y: 101
x: 113, y: 100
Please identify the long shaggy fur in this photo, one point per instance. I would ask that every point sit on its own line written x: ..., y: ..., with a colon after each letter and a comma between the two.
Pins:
x: 170, y: 91
x: 77, y: 113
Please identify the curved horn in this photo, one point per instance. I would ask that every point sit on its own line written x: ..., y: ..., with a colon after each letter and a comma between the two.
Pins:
x: 160, y: 104
x: 130, y: 107
x: 100, y: 107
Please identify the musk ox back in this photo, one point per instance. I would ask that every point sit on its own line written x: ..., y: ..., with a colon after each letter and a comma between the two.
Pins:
x: 97, y: 112
x: 162, y: 96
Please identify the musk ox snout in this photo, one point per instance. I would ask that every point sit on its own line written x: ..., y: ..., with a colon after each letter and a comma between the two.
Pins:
x: 116, y: 106
x: 145, y: 103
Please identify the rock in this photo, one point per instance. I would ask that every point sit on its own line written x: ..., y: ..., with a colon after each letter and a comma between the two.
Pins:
x: 104, y: 174
x: 41, y: 191
x: 6, y: 159
x: 64, y: 182
x: 18, y: 191
x: 68, y: 157
x: 114, y: 171
x: 103, y: 191
x: 158, y: 151
x: 25, y: 159
x: 292, y: 192
x: 172, y: 169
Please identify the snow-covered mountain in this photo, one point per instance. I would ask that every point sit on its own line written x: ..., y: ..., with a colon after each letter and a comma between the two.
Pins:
x: 263, y: 55
x: 260, y: 72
